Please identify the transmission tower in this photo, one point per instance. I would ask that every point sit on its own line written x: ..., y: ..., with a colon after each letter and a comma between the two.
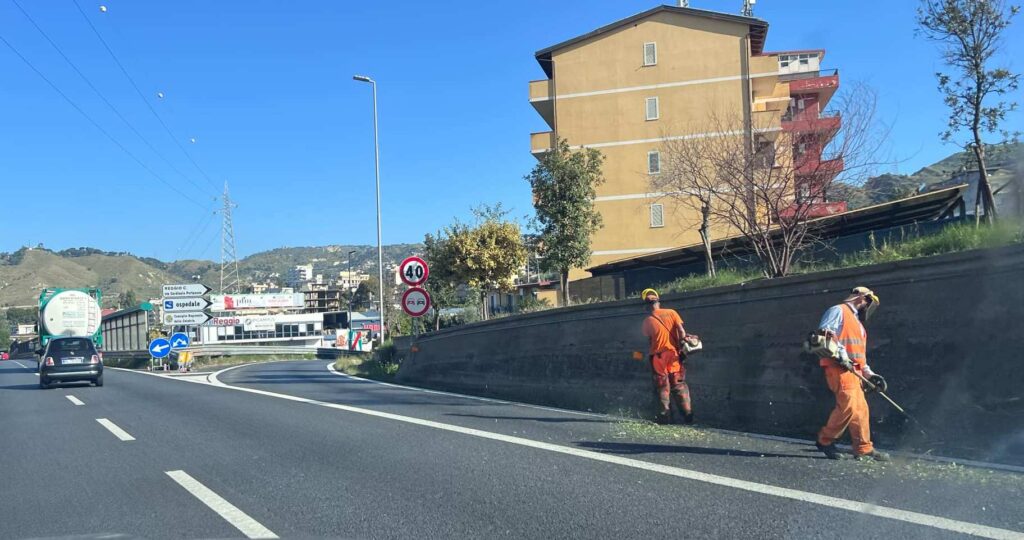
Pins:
x: 228, y: 259
x: 748, y: 8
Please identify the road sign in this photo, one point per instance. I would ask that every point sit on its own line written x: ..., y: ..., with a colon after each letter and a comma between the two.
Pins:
x: 416, y: 302
x: 185, y: 304
x: 159, y: 347
x: 180, y: 341
x: 189, y: 318
x: 413, y: 271
x: 185, y: 290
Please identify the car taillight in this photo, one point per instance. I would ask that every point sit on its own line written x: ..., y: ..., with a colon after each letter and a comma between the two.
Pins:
x: 95, y: 359
x: 49, y: 360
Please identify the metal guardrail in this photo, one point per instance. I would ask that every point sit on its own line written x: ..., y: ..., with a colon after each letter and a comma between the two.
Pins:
x: 234, y: 350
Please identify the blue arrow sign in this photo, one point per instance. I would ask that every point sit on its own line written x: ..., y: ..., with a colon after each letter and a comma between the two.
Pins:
x: 159, y: 347
x: 179, y: 341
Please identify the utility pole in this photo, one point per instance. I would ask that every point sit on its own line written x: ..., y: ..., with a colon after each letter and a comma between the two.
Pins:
x: 376, y: 164
x: 228, y: 257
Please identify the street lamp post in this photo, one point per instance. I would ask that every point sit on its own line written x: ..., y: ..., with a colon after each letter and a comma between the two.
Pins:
x: 351, y: 294
x: 376, y: 162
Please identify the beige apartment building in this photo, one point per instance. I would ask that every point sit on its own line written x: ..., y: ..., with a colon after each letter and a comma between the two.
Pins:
x: 628, y: 87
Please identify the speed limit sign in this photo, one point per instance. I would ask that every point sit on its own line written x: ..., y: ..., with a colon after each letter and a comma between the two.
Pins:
x: 413, y: 271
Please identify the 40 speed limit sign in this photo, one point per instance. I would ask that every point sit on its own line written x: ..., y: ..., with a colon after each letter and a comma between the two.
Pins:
x: 416, y: 302
x: 413, y: 271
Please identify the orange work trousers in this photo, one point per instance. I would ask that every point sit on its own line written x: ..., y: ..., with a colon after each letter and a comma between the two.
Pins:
x: 850, y: 412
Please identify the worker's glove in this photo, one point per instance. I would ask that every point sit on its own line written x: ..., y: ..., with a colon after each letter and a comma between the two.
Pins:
x: 879, y: 382
x: 843, y: 359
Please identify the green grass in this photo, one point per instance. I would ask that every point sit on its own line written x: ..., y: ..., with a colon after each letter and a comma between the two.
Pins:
x: 369, y: 366
x: 952, y: 239
x: 201, y: 362
x: 701, y: 281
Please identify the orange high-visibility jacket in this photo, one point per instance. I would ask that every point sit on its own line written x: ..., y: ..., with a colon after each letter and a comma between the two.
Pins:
x: 853, y: 338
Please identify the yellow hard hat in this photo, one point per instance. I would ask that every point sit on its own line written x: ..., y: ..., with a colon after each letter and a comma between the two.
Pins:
x: 649, y: 292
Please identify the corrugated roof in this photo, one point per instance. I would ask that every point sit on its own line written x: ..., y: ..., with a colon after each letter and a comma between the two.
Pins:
x: 758, y: 30
x: 925, y: 207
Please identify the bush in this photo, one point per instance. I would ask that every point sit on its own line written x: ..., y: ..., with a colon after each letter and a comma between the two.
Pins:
x: 952, y: 239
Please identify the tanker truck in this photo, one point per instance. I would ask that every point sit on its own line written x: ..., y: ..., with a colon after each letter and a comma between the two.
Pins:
x: 70, y: 312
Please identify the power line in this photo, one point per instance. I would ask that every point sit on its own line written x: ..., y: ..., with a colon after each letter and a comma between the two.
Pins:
x: 143, y: 97
x: 101, y: 96
x: 196, y: 234
x: 96, y: 125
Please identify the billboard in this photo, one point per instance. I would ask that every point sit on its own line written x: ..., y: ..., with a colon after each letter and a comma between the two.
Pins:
x: 259, y: 323
x: 229, y: 302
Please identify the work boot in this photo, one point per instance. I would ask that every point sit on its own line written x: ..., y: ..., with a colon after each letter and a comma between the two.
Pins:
x: 873, y: 455
x: 830, y: 451
x: 663, y: 418
x: 688, y: 418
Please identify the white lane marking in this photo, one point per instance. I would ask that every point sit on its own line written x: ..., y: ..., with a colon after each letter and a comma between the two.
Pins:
x: 239, y: 519
x: 20, y: 364
x: 330, y: 367
x: 907, y: 516
x: 74, y: 400
x: 112, y: 427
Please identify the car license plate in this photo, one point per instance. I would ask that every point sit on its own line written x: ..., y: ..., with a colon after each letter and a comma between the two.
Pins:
x: 73, y: 360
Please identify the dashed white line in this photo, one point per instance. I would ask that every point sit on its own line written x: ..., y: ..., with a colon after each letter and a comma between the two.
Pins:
x: 239, y: 519
x: 112, y: 427
x: 74, y: 400
x: 20, y: 364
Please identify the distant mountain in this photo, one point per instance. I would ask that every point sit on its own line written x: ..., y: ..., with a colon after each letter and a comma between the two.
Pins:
x: 1003, y: 161
x: 25, y: 272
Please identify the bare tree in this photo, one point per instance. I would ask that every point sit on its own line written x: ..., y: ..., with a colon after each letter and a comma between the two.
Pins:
x: 970, y: 32
x: 768, y: 186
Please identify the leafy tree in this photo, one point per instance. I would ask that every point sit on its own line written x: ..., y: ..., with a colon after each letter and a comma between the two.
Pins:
x: 5, y: 333
x: 970, y: 33
x: 564, y: 186
x: 127, y: 300
x: 443, y: 282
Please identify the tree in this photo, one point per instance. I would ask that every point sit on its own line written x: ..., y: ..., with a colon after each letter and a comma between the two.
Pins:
x: 443, y: 282
x: 767, y: 185
x: 5, y: 333
x: 485, y: 256
x: 564, y: 185
x: 970, y: 33
x: 127, y: 300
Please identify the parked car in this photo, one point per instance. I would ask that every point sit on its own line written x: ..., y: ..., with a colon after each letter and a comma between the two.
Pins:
x: 68, y: 359
x: 5, y: 356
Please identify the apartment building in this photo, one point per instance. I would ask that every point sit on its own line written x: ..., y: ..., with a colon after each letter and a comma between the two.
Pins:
x: 630, y: 86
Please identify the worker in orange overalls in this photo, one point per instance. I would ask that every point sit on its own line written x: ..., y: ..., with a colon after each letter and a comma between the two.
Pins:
x: 844, y: 323
x: 664, y: 329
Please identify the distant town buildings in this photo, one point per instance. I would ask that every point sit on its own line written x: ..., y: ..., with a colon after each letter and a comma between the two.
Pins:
x: 299, y: 274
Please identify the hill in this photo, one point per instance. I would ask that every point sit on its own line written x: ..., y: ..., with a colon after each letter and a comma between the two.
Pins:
x: 25, y: 272
x: 1003, y: 162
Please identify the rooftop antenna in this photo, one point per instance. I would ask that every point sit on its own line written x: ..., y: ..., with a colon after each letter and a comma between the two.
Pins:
x: 228, y: 258
x: 748, y: 8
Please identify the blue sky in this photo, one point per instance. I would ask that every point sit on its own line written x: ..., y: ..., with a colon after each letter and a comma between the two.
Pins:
x: 265, y: 89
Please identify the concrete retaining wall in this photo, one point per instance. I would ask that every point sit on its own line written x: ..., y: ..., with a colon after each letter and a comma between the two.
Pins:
x: 947, y: 337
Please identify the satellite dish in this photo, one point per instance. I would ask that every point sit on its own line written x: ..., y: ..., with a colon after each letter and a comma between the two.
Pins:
x: 103, y: 9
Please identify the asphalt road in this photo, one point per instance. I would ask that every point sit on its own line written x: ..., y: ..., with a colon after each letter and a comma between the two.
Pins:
x: 293, y: 450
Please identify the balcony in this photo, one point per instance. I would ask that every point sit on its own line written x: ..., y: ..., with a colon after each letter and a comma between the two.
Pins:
x: 542, y: 98
x: 810, y: 122
x: 817, y: 170
x: 541, y: 142
x: 824, y: 83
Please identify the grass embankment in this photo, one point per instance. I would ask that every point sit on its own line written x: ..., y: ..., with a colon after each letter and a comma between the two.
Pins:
x: 381, y: 365
x: 952, y: 239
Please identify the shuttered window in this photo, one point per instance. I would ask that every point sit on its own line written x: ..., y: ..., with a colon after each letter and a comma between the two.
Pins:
x: 652, y: 108
x: 650, y: 54
x: 653, y: 162
x: 657, y: 215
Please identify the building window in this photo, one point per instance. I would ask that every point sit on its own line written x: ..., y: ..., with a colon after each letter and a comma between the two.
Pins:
x: 650, y: 54
x: 653, y: 162
x: 652, y: 108
x: 657, y: 215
